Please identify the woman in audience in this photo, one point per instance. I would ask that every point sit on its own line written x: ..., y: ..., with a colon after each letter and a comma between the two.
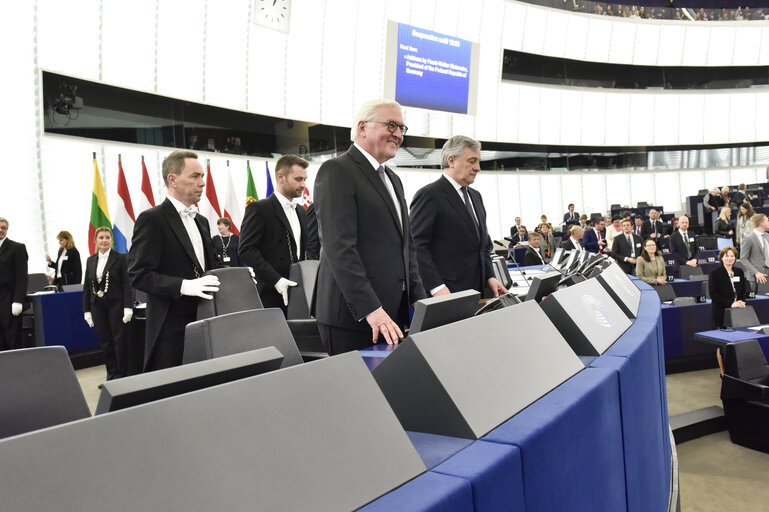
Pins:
x: 226, y: 244
x: 744, y: 227
x: 547, y: 244
x: 108, y: 301
x: 723, y: 224
x: 650, y: 267
x: 69, y: 270
x: 727, y: 286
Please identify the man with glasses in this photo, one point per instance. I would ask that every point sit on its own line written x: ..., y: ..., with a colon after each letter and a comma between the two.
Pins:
x: 368, y: 271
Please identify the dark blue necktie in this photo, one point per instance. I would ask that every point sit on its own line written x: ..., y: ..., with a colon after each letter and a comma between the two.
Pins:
x: 470, y: 209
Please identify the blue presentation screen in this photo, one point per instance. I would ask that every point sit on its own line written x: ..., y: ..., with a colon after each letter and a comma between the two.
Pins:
x: 432, y: 70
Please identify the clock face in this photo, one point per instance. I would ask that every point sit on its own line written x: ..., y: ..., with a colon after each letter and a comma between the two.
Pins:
x: 272, y: 13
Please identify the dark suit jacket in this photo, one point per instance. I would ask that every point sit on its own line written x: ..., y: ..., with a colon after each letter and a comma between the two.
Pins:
x: 646, y: 229
x: 722, y: 228
x: 721, y: 293
x: 567, y: 217
x: 621, y: 250
x: 13, y: 275
x: 590, y: 240
x: 71, y: 268
x: 368, y: 257
x: 313, y: 241
x: 514, y: 231
x: 161, y: 256
x: 451, y: 248
x: 678, y: 248
x: 232, y: 250
x: 267, y: 245
x: 119, y: 287
x: 530, y: 257
x: 567, y: 245
x: 516, y: 238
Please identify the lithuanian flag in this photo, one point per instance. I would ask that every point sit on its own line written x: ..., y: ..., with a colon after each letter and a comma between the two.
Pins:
x: 99, y: 210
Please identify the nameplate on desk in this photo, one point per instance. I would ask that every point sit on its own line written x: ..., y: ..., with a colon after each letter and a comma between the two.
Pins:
x: 702, y: 247
x: 751, y: 295
x: 671, y: 262
x: 711, y: 259
x: 671, y: 279
x: 702, y: 298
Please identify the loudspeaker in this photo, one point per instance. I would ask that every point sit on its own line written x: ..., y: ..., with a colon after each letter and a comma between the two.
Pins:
x: 318, y: 436
x: 148, y: 387
x: 466, y: 378
x: 586, y: 316
x: 621, y: 288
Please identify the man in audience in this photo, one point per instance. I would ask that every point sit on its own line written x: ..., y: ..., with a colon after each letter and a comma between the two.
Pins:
x: 274, y: 233
x: 571, y: 215
x: 13, y: 288
x: 574, y: 241
x: 533, y: 255
x: 683, y: 245
x: 595, y: 239
x: 742, y: 196
x: 368, y: 272
x: 516, y: 227
x: 638, y: 221
x: 171, y: 250
x: 518, y: 237
x: 652, y: 227
x: 448, y: 222
x: 627, y: 247
x: 755, y: 250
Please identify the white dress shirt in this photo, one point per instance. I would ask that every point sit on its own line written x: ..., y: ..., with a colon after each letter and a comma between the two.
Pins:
x: 101, y: 263
x: 192, y: 231
x: 375, y: 164
x: 62, y: 257
x: 289, y: 208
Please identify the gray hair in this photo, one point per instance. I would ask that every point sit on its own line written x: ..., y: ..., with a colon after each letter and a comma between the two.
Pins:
x: 367, y: 112
x: 455, y: 146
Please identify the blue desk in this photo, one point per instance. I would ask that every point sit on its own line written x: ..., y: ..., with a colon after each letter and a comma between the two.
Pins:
x: 59, y: 321
x: 599, y: 440
x: 720, y: 338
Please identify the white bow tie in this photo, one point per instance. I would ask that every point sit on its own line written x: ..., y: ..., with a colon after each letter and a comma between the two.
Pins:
x: 291, y: 206
x: 190, y: 211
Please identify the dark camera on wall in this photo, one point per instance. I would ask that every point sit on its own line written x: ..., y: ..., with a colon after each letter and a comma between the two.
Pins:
x: 67, y: 100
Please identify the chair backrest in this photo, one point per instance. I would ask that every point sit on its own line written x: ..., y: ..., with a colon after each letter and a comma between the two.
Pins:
x: 233, y: 333
x: 38, y: 389
x: 36, y: 282
x: 740, y: 317
x: 745, y: 360
x: 686, y: 271
x: 666, y: 292
x: 237, y: 292
x: 301, y: 296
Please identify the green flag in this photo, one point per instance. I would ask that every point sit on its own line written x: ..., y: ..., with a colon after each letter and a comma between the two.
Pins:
x: 250, y: 187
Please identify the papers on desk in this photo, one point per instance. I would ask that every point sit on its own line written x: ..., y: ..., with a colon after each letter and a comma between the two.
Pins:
x: 757, y: 327
x: 43, y: 292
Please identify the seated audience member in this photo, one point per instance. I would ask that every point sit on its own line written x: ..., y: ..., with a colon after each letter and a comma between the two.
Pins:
x: 613, y: 229
x: 547, y: 241
x: 742, y: 196
x: 713, y: 200
x: 627, y: 247
x: 571, y: 215
x: 727, y: 286
x: 755, y: 250
x: 653, y: 226
x: 514, y: 229
x: 583, y: 222
x: 683, y: 245
x: 744, y: 226
x: 595, y: 239
x: 519, y: 237
x: 533, y: 255
x: 638, y: 221
x: 69, y: 269
x: 650, y: 267
x: 226, y: 244
x: 574, y: 241
x: 672, y: 227
x: 723, y: 224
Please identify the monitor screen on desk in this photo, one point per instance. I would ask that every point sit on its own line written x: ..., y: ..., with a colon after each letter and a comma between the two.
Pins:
x: 444, y: 309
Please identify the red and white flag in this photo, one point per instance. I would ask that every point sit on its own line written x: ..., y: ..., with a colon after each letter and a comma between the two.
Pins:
x: 233, y: 208
x: 209, y: 204
x: 306, y: 200
x: 146, y: 198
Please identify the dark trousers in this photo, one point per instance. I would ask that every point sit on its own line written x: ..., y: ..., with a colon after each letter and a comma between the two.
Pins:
x: 169, y: 347
x: 108, y: 321
x: 338, y: 340
x: 10, y: 326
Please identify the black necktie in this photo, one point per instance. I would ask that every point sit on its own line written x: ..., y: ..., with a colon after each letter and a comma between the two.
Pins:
x: 630, y: 244
x: 470, y: 210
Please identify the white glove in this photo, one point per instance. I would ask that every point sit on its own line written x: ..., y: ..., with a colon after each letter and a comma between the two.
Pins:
x: 282, y: 287
x: 198, y: 287
x: 16, y: 308
x: 251, y: 271
x: 128, y: 314
x: 88, y: 318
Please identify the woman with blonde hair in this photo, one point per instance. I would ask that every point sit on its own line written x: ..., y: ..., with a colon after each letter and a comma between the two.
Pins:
x: 69, y: 270
x: 723, y: 224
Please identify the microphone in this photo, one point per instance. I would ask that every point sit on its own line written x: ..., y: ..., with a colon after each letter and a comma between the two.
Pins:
x: 528, y: 281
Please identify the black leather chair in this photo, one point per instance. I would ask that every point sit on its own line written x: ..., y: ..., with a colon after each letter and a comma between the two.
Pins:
x: 686, y: 271
x: 666, y: 292
x: 37, y: 283
x: 38, y: 389
x: 234, y: 333
x: 237, y: 292
x: 740, y: 317
x: 301, y: 309
x: 745, y: 394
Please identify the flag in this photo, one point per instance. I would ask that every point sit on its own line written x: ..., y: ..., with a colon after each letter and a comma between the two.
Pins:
x: 269, y: 181
x: 209, y: 204
x: 251, y: 195
x: 99, y: 210
x: 306, y: 201
x: 124, y: 216
x: 231, y: 210
x: 146, y: 199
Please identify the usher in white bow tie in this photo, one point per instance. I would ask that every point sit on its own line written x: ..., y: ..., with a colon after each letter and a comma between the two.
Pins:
x: 191, y: 211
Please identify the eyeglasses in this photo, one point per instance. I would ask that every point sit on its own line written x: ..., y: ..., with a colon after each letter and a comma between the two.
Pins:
x: 392, y: 126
